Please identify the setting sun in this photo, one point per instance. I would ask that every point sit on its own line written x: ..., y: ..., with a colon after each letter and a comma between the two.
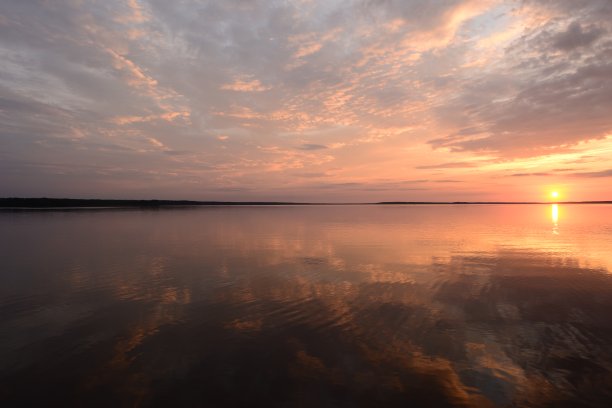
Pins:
x: 555, y: 194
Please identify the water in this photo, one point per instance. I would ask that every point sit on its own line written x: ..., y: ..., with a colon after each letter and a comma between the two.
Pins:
x: 324, y: 306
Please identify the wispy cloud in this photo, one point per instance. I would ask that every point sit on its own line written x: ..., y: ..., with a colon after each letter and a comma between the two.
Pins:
x: 596, y: 174
x: 247, y: 85
x: 450, y: 165
x: 312, y: 146
x: 249, y: 98
x: 538, y: 174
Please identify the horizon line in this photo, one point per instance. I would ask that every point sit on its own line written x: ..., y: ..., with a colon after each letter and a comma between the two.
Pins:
x: 46, y: 202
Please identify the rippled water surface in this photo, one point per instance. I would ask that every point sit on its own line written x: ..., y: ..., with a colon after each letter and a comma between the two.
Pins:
x: 319, y: 306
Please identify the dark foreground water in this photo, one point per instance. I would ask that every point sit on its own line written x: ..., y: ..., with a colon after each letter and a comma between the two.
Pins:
x: 331, y: 306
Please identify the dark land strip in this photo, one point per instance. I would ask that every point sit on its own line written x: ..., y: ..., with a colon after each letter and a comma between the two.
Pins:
x: 71, y: 203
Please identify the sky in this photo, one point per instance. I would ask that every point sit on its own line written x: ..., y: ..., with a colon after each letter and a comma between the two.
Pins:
x: 305, y: 100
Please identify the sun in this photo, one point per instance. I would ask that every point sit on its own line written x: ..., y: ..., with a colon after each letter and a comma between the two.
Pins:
x: 554, y: 194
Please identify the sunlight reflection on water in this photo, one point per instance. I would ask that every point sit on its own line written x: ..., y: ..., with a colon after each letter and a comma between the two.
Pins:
x: 554, y: 209
x: 331, y: 305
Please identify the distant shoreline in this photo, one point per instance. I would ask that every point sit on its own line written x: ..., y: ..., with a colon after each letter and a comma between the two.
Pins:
x: 69, y: 203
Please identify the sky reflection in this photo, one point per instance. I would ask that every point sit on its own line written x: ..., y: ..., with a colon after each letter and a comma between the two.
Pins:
x: 429, y: 305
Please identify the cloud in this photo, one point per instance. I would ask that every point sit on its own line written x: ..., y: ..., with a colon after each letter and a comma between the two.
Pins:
x: 596, y: 174
x: 252, y: 85
x: 575, y: 37
x: 539, y: 101
x: 156, y: 142
x: 312, y: 146
x: 450, y: 165
x: 311, y: 174
x: 584, y: 174
x: 538, y: 174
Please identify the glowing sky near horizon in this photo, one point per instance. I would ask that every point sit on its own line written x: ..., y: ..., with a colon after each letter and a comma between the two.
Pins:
x: 362, y: 100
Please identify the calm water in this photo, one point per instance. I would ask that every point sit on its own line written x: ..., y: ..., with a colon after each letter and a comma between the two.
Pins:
x: 331, y: 306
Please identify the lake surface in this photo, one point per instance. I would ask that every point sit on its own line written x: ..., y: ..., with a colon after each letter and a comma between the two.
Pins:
x: 317, y: 306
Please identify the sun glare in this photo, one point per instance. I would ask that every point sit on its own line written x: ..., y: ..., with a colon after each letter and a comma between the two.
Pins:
x: 554, y: 194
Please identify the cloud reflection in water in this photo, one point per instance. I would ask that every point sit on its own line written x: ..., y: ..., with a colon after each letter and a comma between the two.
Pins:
x: 342, y: 306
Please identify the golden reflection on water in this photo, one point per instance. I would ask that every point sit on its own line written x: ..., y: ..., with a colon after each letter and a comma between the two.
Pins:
x: 554, y: 210
x: 477, y: 305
